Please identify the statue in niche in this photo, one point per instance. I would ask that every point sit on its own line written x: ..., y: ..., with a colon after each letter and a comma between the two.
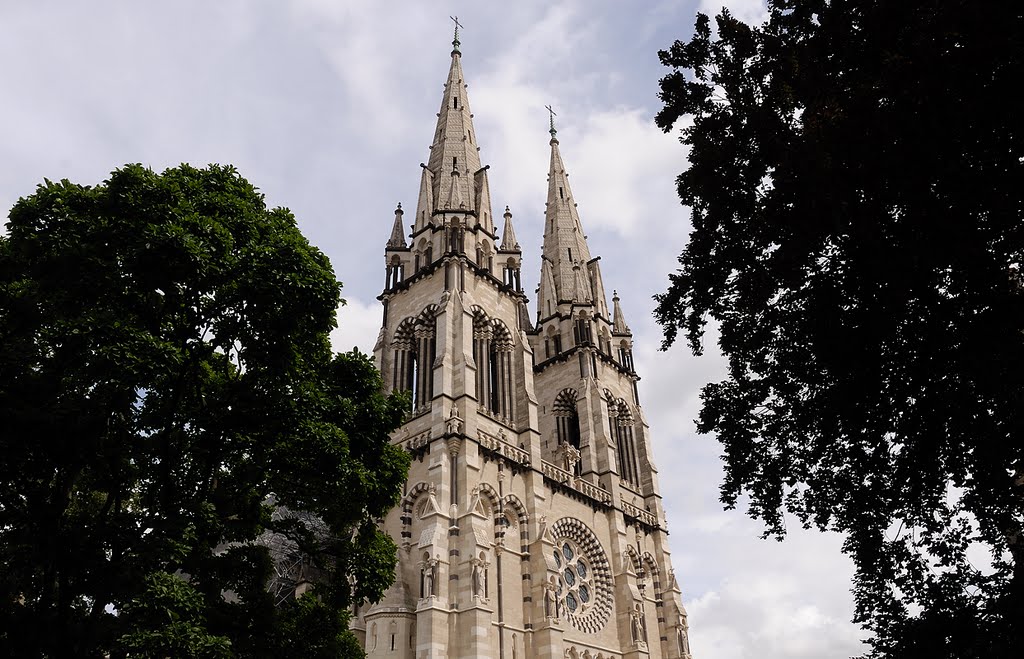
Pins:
x: 684, y: 644
x: 478, y: 578
x: 550, y: 603
x: 637, y: 626
x: 569, y: 456
x: 430, y: 578
x: 454, y: 422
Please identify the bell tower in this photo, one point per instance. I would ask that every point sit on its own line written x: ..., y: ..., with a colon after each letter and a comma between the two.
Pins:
x: 531, y: 524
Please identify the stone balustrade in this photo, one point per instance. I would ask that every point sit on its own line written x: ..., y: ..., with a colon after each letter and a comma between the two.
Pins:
x: 504, y: 448
x: 585, y: 488
x: 637, y: 513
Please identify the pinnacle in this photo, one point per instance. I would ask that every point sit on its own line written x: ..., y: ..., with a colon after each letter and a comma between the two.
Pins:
x: 397, y: 239
x: 508, y: 236
x: 619, y: 325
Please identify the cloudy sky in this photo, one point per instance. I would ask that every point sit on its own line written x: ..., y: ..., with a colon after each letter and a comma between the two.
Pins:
x: 328, y: 106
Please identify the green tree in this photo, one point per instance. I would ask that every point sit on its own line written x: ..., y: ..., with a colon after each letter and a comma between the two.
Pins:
x: 855, y: 183
x: 164, y: 370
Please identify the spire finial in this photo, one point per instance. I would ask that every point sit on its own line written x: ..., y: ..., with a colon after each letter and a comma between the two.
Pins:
x: 455, y: 41
x: 551, y: 121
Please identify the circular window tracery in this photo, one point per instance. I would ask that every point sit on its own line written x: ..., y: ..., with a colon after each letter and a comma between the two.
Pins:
x: 584, y: 582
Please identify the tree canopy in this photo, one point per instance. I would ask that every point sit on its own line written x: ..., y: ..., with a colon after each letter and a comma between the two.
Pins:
x: 855, y: 184
x: 166, y: 374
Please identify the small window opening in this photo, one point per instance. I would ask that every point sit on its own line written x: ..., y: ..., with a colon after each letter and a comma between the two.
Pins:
x: 570, y: 253
x: 455, y: 163
x: 561, y: 193
x: 456, y: 102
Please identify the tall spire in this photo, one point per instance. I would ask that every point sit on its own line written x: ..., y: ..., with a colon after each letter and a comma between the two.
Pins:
x: 565, y: 250
x: 453, y: 179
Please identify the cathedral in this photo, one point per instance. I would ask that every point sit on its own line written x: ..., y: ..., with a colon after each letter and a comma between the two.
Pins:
x: 531, y: 524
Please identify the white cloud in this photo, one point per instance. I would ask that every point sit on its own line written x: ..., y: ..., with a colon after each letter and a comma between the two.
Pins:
x: 751, y: 12
x: 358, y: 326
x: 621, y: 162
x: 786, y: 596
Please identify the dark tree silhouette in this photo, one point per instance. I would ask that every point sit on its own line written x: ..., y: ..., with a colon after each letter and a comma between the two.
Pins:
x: 165, y: 373
x: 856, y: 184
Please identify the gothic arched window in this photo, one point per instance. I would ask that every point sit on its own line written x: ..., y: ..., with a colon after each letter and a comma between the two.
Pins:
x: 455, y: 236
x: 414, y: 349
x: 492, y: 351
x: 567, y: 422
x: 395, y: 272
x: 626, y: 355
x: 605, y: 342
x: 621, y: 422
x: 581, y: 332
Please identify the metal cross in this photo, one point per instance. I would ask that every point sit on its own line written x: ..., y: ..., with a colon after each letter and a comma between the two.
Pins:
x: 551, y: 118
x: 455, y: 19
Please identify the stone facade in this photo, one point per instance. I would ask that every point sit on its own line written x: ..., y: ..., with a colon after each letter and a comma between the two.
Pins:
x: 532, y: 525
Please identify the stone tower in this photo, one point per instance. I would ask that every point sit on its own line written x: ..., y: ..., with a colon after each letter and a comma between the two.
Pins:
x: 532, y: 525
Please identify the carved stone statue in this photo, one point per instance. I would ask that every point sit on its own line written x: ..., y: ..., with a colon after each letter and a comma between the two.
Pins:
x: 637, y: 626
x: 569, y: 456
x: 550, y: 605
x: 430, y: 578
x: 454, y: 422
x: 684, y: 644
x: 478, y: 579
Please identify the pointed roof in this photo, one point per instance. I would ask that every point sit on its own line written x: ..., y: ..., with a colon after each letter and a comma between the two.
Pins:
x: 619, y: 325
x: 454, y: 148
x: 508, y: 235
x: 565, y: 245
x: 397, y: 239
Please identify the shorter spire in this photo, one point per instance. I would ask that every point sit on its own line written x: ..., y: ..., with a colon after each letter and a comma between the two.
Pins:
x: 619, y: 325
x: 397, y: 239
x: 508, y: 236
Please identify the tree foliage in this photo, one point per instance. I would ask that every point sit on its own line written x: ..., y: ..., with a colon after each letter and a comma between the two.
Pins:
x: 164, y: 369
x: 855, y: 183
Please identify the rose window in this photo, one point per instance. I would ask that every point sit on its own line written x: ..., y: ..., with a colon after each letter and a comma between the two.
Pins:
x: 583, y: 587
x: 574, y: 585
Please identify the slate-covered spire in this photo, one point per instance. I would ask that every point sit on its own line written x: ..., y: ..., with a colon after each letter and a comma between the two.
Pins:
x: 453, y: 179
x: 619, y: 325
x: 567, y: 271
x: 508, y: 235
x: 397, y: 239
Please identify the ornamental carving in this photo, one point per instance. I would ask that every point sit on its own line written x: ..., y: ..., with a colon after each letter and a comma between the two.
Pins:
x: 584, y: 588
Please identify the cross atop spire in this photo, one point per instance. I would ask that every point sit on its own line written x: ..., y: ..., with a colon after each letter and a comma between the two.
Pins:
x: 551, y: 119
x: 455, y: 41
